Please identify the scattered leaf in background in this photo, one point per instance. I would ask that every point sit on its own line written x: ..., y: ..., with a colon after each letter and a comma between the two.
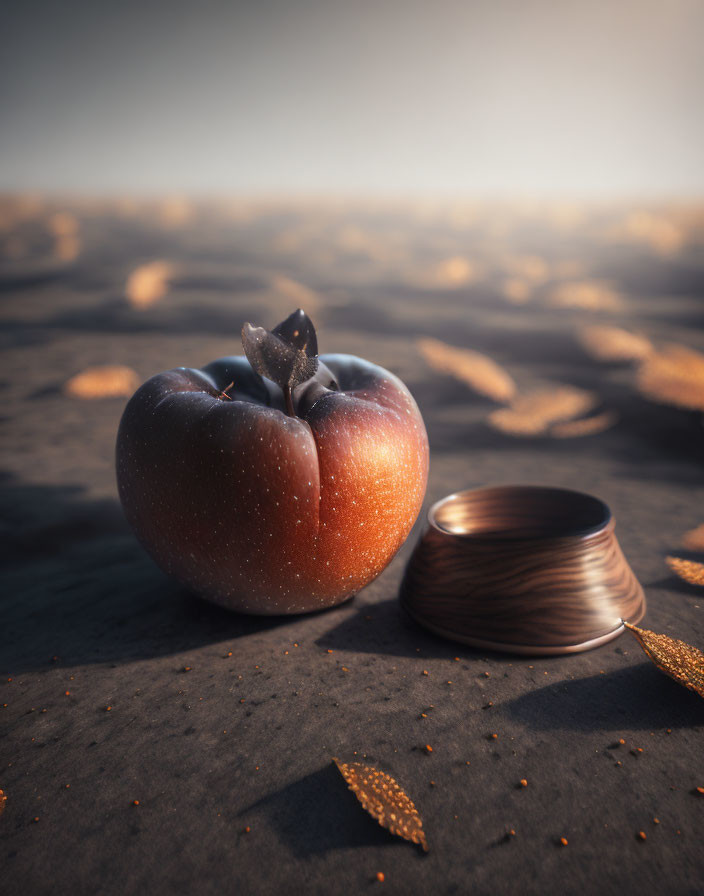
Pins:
x: 674, y: 375
x: 532, y: 268
x: 517, y: 291
x: 175, y: 212
x: 111, y: 381
x: 694, y: 539
x: 454, y: 271
x: 67, y: 242
x: 676, y: 658
x: 691, y: 572
x: 477, y: 371
x: 657, y: 231
x: 614, y: 344
x: 587, y: 426
x: 590, y: 295
x: 148, y: 283
x: 384, y: 800
x: 534, y: 413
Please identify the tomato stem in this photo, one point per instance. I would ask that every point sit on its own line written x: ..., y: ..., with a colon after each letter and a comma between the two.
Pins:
x: 289, y: 401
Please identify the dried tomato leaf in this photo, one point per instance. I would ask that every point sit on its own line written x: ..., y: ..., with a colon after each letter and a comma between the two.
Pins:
x: 689, y: 570
x: 676, y: 658
x: 674, y: 375
x: 384, y: 800
x: 107, y: 381
x: 298, y: 330
x: 694, y: 539
x: 481, y: 373
x: 287, y: 355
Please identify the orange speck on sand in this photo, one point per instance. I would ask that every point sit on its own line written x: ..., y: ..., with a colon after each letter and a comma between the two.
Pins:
x: 380, y: 876
x: 523, y: 782
x: 564, y: 841
x: 641, y: 835
x: 135, y: 802
x: 428, y: 748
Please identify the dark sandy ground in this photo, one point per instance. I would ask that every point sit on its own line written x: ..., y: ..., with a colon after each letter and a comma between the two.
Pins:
x: 230, y: 761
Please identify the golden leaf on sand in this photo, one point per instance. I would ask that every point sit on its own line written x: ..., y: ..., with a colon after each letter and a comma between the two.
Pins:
x: 517, y: 291
x: 688, y: 570
x: 455, y: 271
x: 591, y: 295
x: 587, y: 426
x: 534, y: 413
x: 148, y: 283
x: 175, y: 212
x: 529, y: 267
x: 63, y: 224
x: 657, y: 231
x: 674, y: 376
x: 67, y: 242
x: 477, y: 371
x: 384, y: 800
x: 614, y: 344
x: 676, y: 658
x: 694, y: 539
x: 110, y: 381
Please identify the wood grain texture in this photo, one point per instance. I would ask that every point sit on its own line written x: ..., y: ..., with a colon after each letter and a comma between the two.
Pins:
x: 524, y: 569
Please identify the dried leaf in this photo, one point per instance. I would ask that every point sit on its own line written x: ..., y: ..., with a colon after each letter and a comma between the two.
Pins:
x: 64, y: 227
x: 453, y: 272
x: 691, y: 572
x: 287, y: 355
x: 658, y: 231
x: 103, y: 382
x: 591, y: 295
x: 477, y: 371
x: 676, y: 658
x: 529, y: 267
x: 587, y: 426
x: 675, y: 376
x: 148, y: 283
x: 384, y: 800
x: 534, y: 413
x: 63, y: 224
x: 614, y: 344
x: 175, y: 212
x: 694, y: 539
x: 517, y: 291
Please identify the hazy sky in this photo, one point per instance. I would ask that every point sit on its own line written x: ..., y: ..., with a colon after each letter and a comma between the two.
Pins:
x: 474, y: 97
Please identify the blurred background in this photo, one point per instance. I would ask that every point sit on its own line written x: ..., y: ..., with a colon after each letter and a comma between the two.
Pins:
x: 501, y: 202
